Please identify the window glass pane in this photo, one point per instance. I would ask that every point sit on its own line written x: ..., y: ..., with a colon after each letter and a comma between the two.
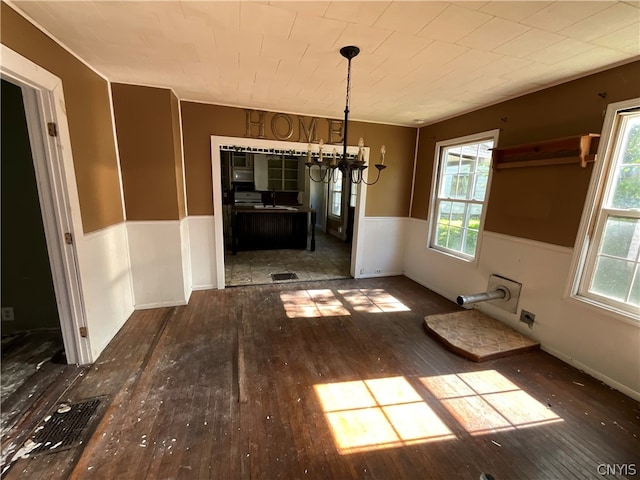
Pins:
x: 480, y: 187
x: 470, y: 242
x: 475, y: 212
x: 454, y: 239
x: 621, y: 238
x: 612, y: 278
x: 626, y: 183
x: 634, y: 297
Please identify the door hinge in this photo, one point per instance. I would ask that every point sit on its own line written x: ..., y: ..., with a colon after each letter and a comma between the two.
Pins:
x: 53, y: 129
x: 68, y: 238
x: 83, y: 332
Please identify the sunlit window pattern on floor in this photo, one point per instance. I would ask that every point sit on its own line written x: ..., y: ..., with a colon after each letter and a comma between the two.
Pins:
x: 486, y: 401
x: 329, y: 303
x: 380, y: 413
x: 311, y: 304
x: 373, y: 300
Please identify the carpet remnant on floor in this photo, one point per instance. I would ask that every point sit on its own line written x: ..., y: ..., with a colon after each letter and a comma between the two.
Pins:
x: 476, y: 336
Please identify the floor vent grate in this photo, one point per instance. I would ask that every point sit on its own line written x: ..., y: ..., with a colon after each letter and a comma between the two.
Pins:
x: 283, y: 276
x: 66, y: 427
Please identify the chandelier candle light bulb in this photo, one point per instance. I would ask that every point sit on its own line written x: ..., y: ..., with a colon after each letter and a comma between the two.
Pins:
x: 383, y: 150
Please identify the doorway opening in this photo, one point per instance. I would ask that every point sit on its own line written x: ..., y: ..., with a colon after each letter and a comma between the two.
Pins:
x: 274, y: 220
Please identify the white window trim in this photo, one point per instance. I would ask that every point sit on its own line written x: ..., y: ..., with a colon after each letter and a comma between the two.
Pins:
x: 434, y: 193
x: 588, y: 223
x: 331, y: 195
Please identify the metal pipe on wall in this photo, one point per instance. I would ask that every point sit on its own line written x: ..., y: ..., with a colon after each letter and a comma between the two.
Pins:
x: 500, y: 293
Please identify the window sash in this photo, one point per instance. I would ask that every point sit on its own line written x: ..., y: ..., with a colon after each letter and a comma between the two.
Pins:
x: 467, y: 187
x: 604, y: 214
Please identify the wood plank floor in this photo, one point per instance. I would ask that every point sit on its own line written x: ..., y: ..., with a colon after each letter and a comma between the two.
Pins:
x: 332, y: 380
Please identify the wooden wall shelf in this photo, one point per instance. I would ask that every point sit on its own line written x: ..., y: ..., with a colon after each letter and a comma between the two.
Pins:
x: 576, y: 149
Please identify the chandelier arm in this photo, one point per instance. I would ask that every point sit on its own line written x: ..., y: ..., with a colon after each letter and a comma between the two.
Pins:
x: 379, y: 168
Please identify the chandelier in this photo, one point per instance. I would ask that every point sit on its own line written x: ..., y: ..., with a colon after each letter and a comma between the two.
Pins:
x: 352, y: 166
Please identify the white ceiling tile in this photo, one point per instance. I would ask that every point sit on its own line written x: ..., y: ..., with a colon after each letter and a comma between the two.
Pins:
x: 503, y: 66
x: 604, y: 22
x: 277, y: 48
x: 597, y: 57
x: 312, y: 7
x: 473, y: 60
x: 453, y: 24
x: 218, y: 14
x: 559, y: 52
x: 472, y: 5
x: 365, y: 13
x: 438, y: 53
x: 493, y: 34
x: 237, y: 41
x: 624, y: 40
x: 562, y: 14
x: 409, y: 17
x: 528, y: 43
x: 363, y: 36
x: 316, y: 30
x: 484, y: 83
x: 401, y: 45
x: 267, y: 20
x: 514, y: 10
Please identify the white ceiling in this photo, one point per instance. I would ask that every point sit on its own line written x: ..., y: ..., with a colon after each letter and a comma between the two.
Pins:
x: 420, y: 61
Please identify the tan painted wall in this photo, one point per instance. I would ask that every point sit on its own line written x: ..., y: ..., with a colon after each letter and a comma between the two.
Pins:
x: 145, y: 130
x: 89, y: 116
x: 538, y: 203
x: 389, y: 197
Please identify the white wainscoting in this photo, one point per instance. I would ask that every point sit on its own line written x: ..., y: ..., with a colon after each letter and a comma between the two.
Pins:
x: 382, y: 246
x: 107, y: 290
x: 202, y: 247
x: 597, y: 342
x: 155, y: 249
x: 185, y: 245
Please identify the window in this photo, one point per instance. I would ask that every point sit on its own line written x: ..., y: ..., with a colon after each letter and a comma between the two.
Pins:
x: 335, y: 194
x: 461, y: 181
x: 609, y: 274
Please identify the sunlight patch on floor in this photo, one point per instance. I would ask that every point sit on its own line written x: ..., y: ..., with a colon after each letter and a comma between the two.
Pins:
x: 373, y: 300
x: 381, y: 413
x: 325, y: 303
x: 366, y: 415
x: 486, y: 401
x: 312, y: 303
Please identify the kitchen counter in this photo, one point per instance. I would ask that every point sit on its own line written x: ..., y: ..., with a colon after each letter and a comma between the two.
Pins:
x: 261, y: 227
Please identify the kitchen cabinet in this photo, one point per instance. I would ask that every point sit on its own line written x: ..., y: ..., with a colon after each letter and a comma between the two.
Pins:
x: 285, y: 174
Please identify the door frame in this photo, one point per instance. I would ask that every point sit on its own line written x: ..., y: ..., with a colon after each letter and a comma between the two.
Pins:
x: 357, y: 254
x: 57, y: 191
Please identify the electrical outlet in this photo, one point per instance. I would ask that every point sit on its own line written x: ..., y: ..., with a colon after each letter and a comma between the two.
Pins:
x: 527, y: 317
x: 378, y: 270
x: 7, y: 314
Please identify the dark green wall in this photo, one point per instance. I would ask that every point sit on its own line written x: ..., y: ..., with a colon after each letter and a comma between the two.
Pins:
x: 27, y: 285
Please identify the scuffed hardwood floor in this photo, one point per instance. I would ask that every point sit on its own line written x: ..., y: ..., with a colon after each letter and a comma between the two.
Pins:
x: 332, y: 380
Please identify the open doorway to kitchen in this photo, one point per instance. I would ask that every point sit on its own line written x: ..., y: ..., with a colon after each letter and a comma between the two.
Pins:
x: 275, y: 224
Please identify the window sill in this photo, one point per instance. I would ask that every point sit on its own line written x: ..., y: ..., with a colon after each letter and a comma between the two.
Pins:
x: 470, y: 260
x: 609, y: 311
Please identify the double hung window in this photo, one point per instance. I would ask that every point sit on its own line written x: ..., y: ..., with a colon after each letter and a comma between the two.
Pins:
x: 609, y: 271
x: 461, y: 181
